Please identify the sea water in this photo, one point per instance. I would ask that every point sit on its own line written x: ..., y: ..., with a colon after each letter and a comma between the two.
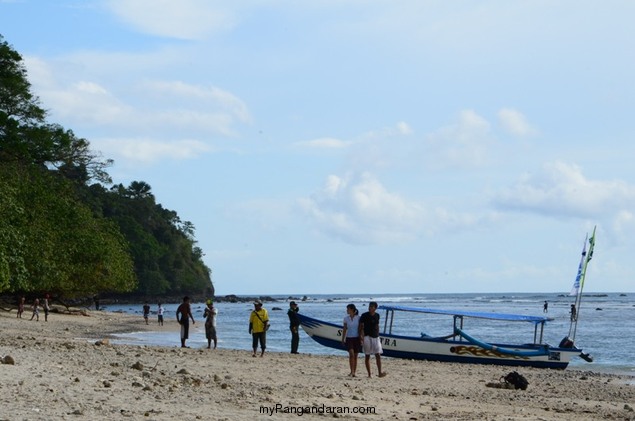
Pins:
x: 605, y: 330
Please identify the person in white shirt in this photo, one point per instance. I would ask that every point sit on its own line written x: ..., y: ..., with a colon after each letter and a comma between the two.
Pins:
x: 210, y: 324
x: 160, y: 314
x: 350, y: 337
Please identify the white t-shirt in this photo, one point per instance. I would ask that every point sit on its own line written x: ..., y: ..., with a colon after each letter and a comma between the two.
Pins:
x: 211, y: 315
x: 352, y: 326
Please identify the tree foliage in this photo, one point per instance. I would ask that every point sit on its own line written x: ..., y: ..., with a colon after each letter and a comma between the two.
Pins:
x: 61, y: 234
x: 49, y: 241
x: 166, y: 258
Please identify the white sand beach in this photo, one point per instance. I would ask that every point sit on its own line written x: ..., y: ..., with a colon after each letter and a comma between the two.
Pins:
x: 60, y: 373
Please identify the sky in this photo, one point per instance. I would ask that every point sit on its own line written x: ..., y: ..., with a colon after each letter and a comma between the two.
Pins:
x: 343, y: 147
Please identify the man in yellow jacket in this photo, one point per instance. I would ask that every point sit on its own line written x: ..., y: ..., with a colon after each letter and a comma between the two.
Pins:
x: 258, y: 326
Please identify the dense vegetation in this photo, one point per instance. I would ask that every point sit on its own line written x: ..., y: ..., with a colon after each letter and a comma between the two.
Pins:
x: 63, y: 230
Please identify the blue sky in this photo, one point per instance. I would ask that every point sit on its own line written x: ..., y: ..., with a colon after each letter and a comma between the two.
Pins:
x: 360, y: 147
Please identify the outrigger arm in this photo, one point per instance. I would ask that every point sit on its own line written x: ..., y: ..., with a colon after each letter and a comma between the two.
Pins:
x: 543, y: 351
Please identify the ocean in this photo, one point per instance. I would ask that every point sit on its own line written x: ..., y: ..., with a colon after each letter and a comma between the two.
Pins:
x: 606, y: 327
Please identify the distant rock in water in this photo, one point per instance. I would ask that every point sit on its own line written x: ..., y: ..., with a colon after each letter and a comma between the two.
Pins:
x: 276, y: 308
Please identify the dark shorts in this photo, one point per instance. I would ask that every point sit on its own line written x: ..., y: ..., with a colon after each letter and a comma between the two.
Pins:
x: 185, y: 330
x: 259, y: 337
x: 353, y: 343
x: 160, y: 318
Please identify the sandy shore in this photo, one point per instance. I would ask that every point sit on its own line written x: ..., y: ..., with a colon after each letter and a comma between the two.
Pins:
x: 60, y: 373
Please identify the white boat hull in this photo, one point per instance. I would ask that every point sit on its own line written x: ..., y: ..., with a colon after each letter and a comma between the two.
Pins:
x: 434, y: 349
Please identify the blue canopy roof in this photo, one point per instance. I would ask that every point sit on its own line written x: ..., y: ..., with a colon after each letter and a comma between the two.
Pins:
x: 475, y: 314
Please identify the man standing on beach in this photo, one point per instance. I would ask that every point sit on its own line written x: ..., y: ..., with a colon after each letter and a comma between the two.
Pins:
x: 258, y: 325
x: 210, y: 324
x: 369, y: 334
x: 183, y: 316
x: 294, y: 326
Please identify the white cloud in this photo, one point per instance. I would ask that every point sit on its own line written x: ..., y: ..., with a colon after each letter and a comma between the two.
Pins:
x: 515, y: 122
x: 623, y: 226
x: 561, y: 189
x: 86, y: 102
x: 183, y: 19
x: 205, y: 94
x: 462, y: 144
x: 161, y: 112
x: 370, y: 149
x: 403, y: 128
x: 323, y: 143
x: 181, y: 106
x: 358, y: 209
x: 148, y: 151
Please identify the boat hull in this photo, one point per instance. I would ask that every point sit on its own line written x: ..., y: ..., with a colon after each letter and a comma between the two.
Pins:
x: 436, y: 349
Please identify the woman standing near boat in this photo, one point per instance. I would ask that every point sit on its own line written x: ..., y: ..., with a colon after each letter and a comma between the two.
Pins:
x: 350, y: 336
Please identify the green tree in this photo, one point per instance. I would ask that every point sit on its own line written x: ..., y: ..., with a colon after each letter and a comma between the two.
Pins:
x: 60, y: 234
x: 28, y: 138
x: 51, y: 242
x: 166, y: 258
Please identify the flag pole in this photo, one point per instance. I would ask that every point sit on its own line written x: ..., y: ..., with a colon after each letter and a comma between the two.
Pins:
x: 586, y: 259
x: 575, y: 290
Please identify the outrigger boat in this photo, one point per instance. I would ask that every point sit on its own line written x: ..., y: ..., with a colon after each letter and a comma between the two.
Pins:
x: 459, y: 346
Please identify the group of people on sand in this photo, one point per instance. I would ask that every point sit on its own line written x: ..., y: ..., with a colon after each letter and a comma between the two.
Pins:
x: 184, y: 314
x: 360, y: 333
x: 183, y: 317
x: 35, y: 307
x: 146, y: 313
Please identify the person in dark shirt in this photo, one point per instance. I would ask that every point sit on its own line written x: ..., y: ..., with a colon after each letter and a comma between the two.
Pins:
x: 146, y: 311
x: 294, y: 326
x: 369, y: 334
x: 183, y: 316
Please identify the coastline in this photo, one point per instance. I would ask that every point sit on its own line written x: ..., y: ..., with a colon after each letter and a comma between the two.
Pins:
x: 60, y: 373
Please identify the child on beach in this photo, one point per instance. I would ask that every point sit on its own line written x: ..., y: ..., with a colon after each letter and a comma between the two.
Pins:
x: 20, y: 307
x: 146, y: 312
x: 160, y: 314
x: 36, y: 310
